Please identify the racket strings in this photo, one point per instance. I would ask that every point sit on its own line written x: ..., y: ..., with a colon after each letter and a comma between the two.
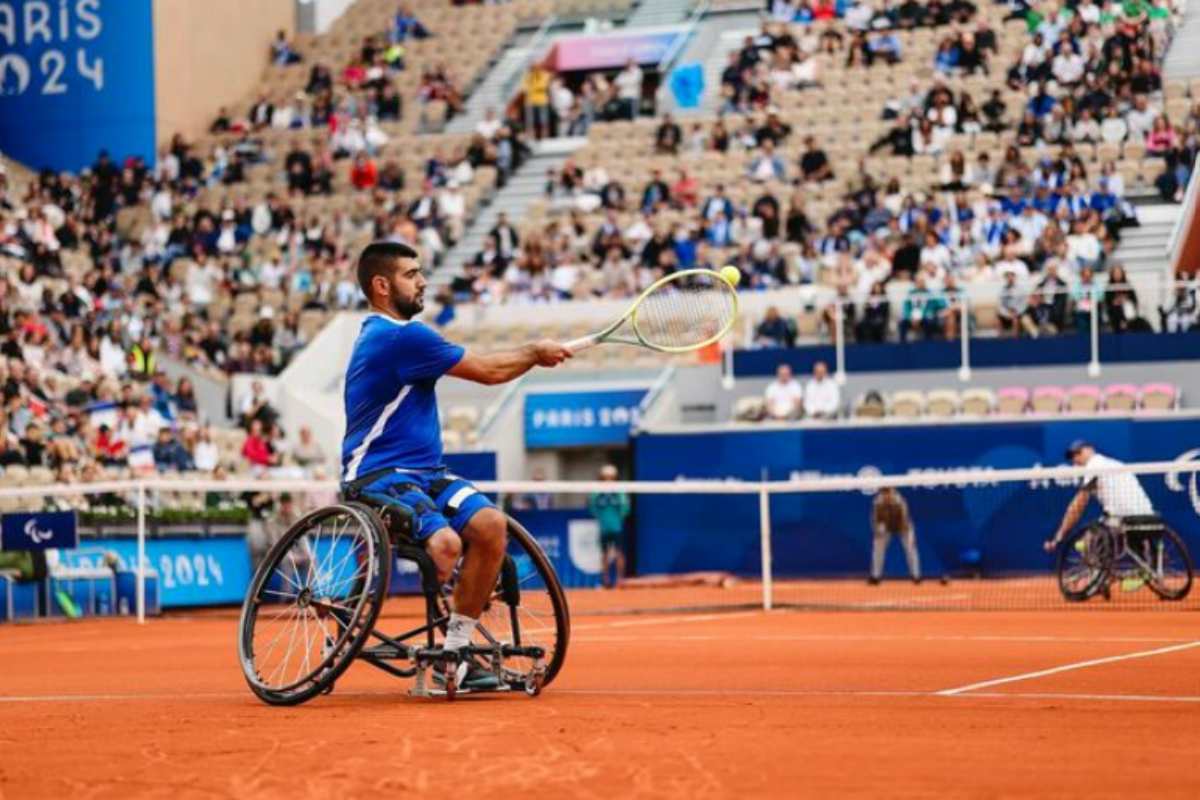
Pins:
x: 686, y: 313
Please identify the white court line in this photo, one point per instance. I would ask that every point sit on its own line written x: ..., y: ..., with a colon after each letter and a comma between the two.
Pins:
x: 670, y: 620
x: 1094, y: 662
x: 850, y: 637
x: 751, y: 693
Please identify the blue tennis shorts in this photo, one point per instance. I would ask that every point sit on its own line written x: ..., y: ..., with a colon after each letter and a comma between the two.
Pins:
x: 437, y: 498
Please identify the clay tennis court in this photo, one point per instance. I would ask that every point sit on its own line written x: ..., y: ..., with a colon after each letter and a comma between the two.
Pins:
x: 800, y: 703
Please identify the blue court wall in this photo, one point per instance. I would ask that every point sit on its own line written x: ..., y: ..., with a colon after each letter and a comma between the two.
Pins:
x: 996, y: 527
x: 76, y: 76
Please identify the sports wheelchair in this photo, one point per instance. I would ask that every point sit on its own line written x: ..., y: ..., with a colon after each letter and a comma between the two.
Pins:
x: 314, y: 601
x: 1130, y: 551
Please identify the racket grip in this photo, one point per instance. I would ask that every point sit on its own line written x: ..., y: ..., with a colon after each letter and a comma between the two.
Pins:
x: 582, y: 343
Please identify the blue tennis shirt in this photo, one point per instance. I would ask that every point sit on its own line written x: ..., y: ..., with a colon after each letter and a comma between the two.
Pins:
x: 391, y: 406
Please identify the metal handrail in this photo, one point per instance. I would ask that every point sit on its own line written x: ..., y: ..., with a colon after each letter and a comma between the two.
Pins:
x: 693, y: 21
x: 535, y: 44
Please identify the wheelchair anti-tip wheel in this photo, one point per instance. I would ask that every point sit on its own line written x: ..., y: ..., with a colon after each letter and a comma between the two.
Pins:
x: 312, y: 603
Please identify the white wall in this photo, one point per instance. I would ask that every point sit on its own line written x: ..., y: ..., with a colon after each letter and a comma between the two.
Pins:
x: 321, y: 13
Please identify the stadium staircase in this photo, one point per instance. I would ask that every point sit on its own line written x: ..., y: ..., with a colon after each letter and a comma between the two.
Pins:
x: 499, y: 84
x: 524, y: 187
x: 659, y: 12
x: 1143, y: 250
x: 1183, y: 58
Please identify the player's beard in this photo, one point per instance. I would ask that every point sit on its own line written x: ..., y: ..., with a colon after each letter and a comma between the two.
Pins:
x: 408, y: 307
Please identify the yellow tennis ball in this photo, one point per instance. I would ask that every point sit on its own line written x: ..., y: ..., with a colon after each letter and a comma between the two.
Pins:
x: 732, y: 275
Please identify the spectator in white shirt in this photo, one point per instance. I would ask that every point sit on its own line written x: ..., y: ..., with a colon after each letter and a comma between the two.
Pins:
x: 1140, y: 119
x: 822, y: 398
x: 489, y: 125
x: 784, y: 397
x: 629, y: 89
x: 206, y: 455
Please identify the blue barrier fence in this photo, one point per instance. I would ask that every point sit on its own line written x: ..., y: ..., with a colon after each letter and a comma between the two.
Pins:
x: 995, y: 528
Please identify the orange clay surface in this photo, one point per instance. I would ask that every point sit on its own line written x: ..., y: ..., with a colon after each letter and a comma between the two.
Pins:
x: 735, y: 704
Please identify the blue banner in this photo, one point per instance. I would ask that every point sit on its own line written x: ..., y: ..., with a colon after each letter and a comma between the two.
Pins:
x: 192, y: 571
x: 572, y: 419
x: 44, y: 530
x: 76, y: 76
x: 571, y: 540
x: 993, y: 527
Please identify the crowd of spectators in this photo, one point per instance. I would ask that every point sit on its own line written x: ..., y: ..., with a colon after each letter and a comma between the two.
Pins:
x: 1039, y: 209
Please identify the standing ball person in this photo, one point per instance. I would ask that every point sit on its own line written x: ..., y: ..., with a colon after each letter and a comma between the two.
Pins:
x: 392, y: 450
x: 610, y: 510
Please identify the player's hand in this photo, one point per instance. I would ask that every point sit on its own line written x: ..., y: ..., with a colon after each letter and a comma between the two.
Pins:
x: 550, y: 353
x: 1051, y: 544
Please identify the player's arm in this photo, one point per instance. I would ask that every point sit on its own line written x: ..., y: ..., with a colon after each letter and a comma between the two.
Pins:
x: 1074, y: 512
x: 505, y: 365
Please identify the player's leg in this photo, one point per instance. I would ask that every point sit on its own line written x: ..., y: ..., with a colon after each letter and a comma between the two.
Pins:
x: 879, y: 543
x: 486, y: 535
x: 619, y: 559
x: 445, y: 548
x: 909, y: 540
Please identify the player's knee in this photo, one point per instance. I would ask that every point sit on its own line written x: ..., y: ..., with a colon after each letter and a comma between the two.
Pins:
x: 444, y: 547
x: 489, y: 530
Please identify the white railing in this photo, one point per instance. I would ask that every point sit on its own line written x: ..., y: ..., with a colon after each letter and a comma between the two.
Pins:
x: 140, y: 490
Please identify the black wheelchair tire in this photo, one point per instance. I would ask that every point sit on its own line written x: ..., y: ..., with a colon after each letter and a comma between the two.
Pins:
x: 1065, y: 550
x: 1174, y: 596
x: 328, y: 671
x: 562, y: 614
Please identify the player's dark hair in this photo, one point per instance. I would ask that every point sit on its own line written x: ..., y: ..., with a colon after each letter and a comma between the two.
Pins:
x: 379, y: 258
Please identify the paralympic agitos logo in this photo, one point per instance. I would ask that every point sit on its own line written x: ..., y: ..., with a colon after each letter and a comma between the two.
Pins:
x: 1176, y: 480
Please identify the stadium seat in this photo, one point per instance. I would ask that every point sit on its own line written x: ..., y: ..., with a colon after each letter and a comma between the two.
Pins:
x: 1159, y: 397
x: 462, y: 418
x: 40, y: 476
x: 978, y: 402
x: 1121, y: 397
x: 748, y: 409
x: 1048, y: 399
x: 870, y: 405
x: 1012, y: 400
x: 943, y: 403
x: 15, y: 475
x: 1084, y: 399
x: 907, y: 404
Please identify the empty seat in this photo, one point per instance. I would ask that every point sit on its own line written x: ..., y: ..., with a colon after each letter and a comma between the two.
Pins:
x: 748, y: 409
x: 1121, y: 397
x: 462, y: 418
x: 1048, y: 399
x: 14, y: 475
x: 907, y: 404
x: 870, y: 405
x: 1012, y: 400
x: 978, y: 402
x: 942, y: 403
x: 1083, y: 399
x: 1159, y: 396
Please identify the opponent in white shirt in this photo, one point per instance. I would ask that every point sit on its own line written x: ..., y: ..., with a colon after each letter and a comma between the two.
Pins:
x: 1120, y: 493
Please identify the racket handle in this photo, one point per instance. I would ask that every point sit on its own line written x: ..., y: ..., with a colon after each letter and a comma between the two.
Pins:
x: 583, y: 343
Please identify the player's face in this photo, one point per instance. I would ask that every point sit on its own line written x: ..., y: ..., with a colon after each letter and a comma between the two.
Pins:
x: 406, y: 292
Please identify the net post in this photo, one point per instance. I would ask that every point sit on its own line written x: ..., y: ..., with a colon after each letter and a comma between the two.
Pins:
x: 141, y: 552
x: 1094, y: 315
x: 764, y: 533
x: 964, y: 334
x: 839, y: 340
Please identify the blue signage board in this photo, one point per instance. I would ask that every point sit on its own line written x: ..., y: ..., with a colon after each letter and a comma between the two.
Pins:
x: 76, y: 76
x: 997, y: 527
x: 571, y: 540
x: 43, y: 530
x: 192, y: 571
x: 574, y: 419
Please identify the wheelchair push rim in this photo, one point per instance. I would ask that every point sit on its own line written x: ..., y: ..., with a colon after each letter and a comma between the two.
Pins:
x: 313, y: 601
x: 1084, y: 562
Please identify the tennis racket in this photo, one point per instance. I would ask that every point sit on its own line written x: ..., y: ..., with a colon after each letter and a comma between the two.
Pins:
x: 682, y: 312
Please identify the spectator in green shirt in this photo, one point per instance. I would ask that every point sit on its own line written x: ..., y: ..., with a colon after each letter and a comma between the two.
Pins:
x: 610, y: 510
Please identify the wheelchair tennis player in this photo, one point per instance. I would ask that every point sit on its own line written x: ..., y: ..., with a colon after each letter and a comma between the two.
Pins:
x: 392, y: 450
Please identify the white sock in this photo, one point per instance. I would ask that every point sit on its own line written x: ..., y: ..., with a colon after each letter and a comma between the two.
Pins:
x: 458, y: 632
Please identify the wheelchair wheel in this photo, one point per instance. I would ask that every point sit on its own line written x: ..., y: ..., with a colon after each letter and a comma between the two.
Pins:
x: 1084, y: 562
x: 1170, y: 574
x: 312, y: 603
x: 528, y: 609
